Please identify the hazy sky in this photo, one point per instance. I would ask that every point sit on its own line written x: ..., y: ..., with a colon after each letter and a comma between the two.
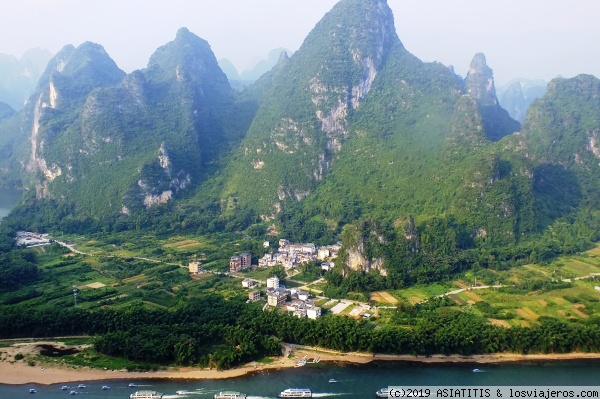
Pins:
x: 521, y: 38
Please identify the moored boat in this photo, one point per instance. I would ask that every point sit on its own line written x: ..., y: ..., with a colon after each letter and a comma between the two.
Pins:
x: 146, y: 395
x: 229, y: 395
x: 296, y: 393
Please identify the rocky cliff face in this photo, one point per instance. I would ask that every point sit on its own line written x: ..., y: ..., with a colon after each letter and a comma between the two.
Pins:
x: 303, y: 122
x: 479, y: 86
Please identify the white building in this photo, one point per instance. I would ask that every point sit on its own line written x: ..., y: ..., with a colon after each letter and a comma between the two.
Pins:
x: 313, y: 313
x: 323, y: 253
x: 247, y: 283
x: 327, y: 266
x: 302, y: 295
x: 273, y: 282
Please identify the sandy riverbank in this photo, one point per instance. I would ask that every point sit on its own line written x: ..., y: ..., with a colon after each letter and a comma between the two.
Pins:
x: 21, y: 373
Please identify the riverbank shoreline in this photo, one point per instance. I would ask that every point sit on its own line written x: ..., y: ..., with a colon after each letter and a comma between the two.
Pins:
x: 18, y: 373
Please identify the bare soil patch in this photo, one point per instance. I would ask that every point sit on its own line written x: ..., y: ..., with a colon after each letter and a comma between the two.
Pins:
x: 460, y: 284
x: 474, y: 296
x: 543, y: 303
x: 579, y: 312
x: 95, y: 285
x: 191, y: 245
x: 527, y: 313
x: 179, y: 243
x: 499, y: 323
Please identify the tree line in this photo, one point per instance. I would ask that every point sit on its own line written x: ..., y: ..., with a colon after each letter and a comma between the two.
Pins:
x: 212, y: 331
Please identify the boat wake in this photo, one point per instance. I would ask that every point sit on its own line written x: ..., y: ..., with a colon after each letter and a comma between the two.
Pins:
x: 325, y: 394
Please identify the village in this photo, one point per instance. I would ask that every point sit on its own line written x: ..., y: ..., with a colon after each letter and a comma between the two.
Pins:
x: 298, y: 302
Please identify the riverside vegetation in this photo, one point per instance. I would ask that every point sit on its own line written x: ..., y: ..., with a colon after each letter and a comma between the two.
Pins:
x: 418, y: 171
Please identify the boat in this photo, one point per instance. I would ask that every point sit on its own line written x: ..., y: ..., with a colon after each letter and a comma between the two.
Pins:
x: 146, y: 395
x: 477, y: 371
x: 132, y: 384
x: 81, y: 386
x: 64, y: 388
x: 383, y: 393
x: 296, y: 393
x: 73, y: 393
x: 331, y: 380
x: 229, y: 395
x: 32, y: 390
x: 301, y: 363
x: 105, y: 387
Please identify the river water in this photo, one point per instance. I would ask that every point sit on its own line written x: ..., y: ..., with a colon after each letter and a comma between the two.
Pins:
x: 8, y: 199
x: 353, y: 382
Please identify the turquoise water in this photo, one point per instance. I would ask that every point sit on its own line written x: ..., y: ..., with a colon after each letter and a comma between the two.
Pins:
x: 353, y: 381
x: 8, y: 199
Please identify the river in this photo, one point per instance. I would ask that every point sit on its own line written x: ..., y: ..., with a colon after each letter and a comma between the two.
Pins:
x: 353, y: 382
x: 8, y: 199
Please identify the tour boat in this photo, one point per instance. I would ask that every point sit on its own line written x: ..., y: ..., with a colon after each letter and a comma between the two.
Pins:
x: 383, y: 393
x: 296, y: 393
x: 146, y: 395
x: 229, y: 395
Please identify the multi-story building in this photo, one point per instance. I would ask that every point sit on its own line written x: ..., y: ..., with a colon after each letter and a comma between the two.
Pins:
x: 276, y: 297
x: 239, y: 262
x: 254, y: 296
x: 235, y: 264
x: 327, y: 266
x: 245, y: 260
x: 273, y: 282
x: 195, y: 267
x: 313, y: 312
x: 247, y: 283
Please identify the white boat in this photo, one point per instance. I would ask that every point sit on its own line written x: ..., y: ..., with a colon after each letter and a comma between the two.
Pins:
x: 146, y: 395
x: 105, y: 387
x: 477, y: 371
x: 331, y: 380
x: 296, y: 393
x: 383, y: 393
x: 64, y: 388
x: 81, y: 386
x: 229, y: 395
x: 301, y: 363
x: 32, y: 390
x: 73, y: 393
x: 180, y: 392
x: 132, y: 384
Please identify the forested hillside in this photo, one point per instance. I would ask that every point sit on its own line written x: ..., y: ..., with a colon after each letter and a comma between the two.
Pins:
x: 419, y: 171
